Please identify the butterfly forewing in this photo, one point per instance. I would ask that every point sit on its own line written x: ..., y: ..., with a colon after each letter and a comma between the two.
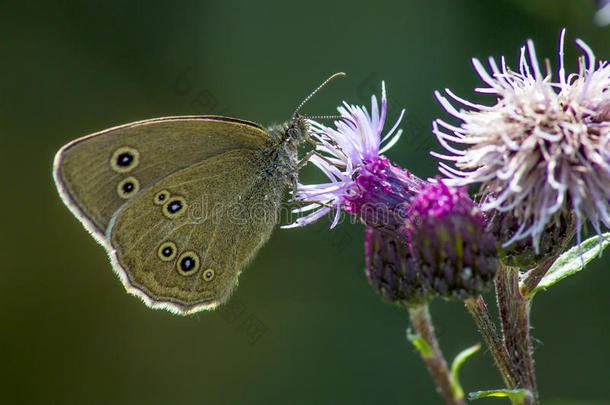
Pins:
x: 97, y: 174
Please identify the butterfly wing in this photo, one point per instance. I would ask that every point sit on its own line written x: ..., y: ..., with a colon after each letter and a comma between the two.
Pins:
x: 95, y: 175
x: 180, y: 203
x: 185, y: 253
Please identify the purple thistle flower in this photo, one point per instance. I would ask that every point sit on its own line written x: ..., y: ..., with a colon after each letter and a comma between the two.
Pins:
x: 542, y: 151
x: 350, y: 156
x: 446, y: 233
x: 423, y: 239
x: 381, y: 194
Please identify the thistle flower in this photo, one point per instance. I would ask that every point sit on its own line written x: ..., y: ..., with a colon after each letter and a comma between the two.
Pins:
x: 361, y: 180
x: 423, y: 238
x: 381, y: 194
x: 541, y: 153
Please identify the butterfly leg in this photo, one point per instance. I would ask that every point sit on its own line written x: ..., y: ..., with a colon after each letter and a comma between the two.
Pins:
x: 320, y: 203
x: 303, y: 162
x: 311, y: 153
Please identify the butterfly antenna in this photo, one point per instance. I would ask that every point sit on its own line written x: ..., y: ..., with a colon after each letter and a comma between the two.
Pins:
x: 313, y: 93
x: 332, y: 117
x: 325, y: 117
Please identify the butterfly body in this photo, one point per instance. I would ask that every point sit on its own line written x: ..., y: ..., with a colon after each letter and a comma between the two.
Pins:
x: 181, y: 204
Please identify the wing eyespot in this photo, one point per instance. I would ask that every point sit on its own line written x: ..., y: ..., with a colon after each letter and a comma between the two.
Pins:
x: 175, y: 207
x: 161, y: 197
x: 128, y: 187
x: 124, y: 159
x: 188, y: 263
x: 208, y: 275
x: 167, y: 251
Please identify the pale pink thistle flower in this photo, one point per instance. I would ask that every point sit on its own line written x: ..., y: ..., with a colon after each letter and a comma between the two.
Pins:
x: 541, y: 153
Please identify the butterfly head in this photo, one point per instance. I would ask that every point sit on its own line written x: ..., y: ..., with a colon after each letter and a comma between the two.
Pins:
x: 297, y: 131
x: 298, y: 128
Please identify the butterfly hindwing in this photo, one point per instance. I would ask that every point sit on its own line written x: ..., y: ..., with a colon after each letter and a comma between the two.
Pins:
x: 181, y: 243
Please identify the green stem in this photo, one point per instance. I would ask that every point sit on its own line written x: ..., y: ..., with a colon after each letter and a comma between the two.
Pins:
x: 533, y: 277
x: 477, y: 308
x: 514, y: 313
x: 422, y: 323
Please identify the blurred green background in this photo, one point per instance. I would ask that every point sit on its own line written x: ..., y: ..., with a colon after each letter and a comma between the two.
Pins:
x: 71, y: 335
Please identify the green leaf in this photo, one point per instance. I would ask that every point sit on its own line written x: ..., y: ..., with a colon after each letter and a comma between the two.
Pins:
x: 573, y: 260
x: 419, y: 343
x: 518, y: 396
x: 456, y: 387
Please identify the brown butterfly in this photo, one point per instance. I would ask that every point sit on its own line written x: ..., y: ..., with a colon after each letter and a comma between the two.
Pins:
x: 181, y: 204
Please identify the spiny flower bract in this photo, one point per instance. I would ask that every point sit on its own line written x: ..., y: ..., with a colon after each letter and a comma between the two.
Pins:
x: 446, y: 233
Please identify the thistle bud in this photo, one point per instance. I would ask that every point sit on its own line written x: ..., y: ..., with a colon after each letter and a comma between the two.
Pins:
x: 521, y: 253
x: 444, y: 250
x: 392, y: 271
x: 448, y: 239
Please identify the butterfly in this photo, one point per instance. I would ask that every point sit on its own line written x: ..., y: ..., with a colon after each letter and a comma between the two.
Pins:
x: 181, y: 204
